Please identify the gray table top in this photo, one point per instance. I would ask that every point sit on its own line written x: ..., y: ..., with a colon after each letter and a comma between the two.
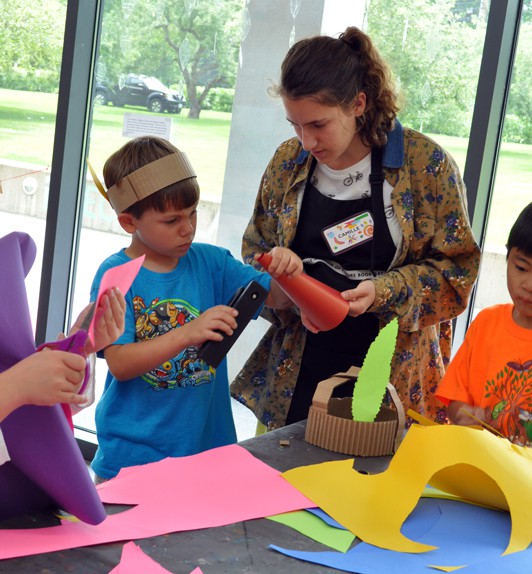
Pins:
x: 237, y: 548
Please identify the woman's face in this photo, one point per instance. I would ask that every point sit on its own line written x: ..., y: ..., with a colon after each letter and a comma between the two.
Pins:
x: 327, y: 132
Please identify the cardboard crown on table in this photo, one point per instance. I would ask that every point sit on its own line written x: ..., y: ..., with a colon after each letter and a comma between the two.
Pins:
x: 331, y: 426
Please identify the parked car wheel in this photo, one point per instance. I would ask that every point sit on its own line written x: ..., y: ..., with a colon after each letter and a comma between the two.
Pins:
x: 101, y: 98
x: 156, y: 105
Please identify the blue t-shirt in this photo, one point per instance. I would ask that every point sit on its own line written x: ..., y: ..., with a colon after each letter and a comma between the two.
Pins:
x: 183, y: 406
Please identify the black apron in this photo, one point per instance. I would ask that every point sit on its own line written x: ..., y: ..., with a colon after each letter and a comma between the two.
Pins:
x: 330, y: 352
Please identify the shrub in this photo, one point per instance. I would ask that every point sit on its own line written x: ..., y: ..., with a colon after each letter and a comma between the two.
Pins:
x: 517, y: 130
x: 218, y: 99
x: 31, y: 80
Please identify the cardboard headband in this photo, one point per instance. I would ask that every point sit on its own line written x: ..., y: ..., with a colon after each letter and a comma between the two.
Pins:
x: 147, y: 180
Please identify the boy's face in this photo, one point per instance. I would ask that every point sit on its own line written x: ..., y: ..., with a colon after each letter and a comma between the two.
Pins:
x: 519, y: 279
x: 169, y: 233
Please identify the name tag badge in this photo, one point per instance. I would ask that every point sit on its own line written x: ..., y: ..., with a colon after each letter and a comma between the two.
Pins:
x: 349, y: 233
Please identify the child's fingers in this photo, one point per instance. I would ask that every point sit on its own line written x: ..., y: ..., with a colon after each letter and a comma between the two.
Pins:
x: 115, y: 303
x: 223, y: 313
x: 110, y: 318
x: 217, y: 322
x: 225, y: 325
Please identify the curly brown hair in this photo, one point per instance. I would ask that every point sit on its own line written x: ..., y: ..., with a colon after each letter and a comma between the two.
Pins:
x: 139, y: 152
x: 334, y: 71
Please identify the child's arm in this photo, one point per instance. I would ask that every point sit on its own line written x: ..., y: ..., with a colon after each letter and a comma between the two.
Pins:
x: 456, y: 414
x: 44, y: 379
x: 134, y: 359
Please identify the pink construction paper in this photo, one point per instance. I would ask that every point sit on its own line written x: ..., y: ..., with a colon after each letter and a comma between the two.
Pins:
x: 122, y: 277
x: 214, y: 488
x: 135, y: 561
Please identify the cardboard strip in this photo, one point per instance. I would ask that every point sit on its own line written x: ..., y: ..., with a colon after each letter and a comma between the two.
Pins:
x: 330, y: 425
x: 148, y: 179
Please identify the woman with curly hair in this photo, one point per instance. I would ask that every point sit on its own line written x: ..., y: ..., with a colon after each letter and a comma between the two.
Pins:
x: 373, y: 209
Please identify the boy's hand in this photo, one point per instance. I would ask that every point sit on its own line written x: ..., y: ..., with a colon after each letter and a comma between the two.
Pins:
x: 458, y: 413
x: 284, y: 262
x: 108, y: 321
x: 212, y: 325
x: 361, y: 298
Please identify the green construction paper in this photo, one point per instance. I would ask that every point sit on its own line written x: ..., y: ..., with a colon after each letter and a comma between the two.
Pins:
x: 315, y: 528
x: 374, y: 375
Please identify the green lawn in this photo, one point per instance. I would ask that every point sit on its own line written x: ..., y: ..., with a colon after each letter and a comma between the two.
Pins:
x: 513, y: 187
x: 27, y: 123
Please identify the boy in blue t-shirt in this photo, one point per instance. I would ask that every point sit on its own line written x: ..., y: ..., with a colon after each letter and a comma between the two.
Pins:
x: 160, y: 399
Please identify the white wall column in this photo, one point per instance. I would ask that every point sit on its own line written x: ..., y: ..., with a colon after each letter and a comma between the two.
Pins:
x: 258, y: 123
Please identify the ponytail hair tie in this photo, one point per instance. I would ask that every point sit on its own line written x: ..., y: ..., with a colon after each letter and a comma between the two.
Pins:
x: 353, y: 43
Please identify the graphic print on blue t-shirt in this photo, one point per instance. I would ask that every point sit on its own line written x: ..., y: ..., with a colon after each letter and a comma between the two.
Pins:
x: 158, y: 317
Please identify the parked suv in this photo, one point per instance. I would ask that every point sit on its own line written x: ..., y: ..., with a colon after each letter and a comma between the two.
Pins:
x: 139, y: 90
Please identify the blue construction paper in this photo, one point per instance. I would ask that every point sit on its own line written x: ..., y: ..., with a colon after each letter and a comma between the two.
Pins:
x: 516, y: 563
x: 466, y: 535
x: 325, y: 517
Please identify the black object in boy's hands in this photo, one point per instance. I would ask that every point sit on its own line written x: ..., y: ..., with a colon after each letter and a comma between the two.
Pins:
x: 247, y: 300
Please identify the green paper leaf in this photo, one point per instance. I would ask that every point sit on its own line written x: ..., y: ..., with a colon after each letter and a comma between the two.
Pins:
x: 374, y: 374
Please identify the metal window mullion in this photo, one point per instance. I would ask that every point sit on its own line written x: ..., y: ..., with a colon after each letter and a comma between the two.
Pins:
x: 500, y: 46
x: 68, y: 168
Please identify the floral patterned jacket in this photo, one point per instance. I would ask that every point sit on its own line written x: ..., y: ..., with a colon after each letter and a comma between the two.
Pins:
x: 427, y: 285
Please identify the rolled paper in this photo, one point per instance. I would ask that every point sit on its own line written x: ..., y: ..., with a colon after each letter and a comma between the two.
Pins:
x: 47, y: 468
x: 323, y: 305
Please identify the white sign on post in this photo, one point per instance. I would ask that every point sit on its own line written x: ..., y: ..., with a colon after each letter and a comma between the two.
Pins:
x: 143, y: 125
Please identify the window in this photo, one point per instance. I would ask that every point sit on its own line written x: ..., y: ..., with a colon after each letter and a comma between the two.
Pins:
x: 437, y: 50
x: 512, y: 190
x: 32, y: 37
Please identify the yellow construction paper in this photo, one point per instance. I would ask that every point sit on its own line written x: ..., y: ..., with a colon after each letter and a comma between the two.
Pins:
x: 422, y: 420
x: 430, y: 492
x: 472, y: 464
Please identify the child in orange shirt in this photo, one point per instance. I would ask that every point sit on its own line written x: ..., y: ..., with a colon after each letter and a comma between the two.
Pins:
x: 491, y: 375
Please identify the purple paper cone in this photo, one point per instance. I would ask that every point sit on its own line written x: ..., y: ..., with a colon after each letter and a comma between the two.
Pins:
x: 46, y: 464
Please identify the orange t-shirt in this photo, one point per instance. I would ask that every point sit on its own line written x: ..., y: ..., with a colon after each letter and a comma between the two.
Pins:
x: 493, y: 368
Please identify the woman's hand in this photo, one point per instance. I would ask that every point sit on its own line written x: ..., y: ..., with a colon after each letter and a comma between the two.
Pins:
x: 308, y: 323
x: 361, y: 298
